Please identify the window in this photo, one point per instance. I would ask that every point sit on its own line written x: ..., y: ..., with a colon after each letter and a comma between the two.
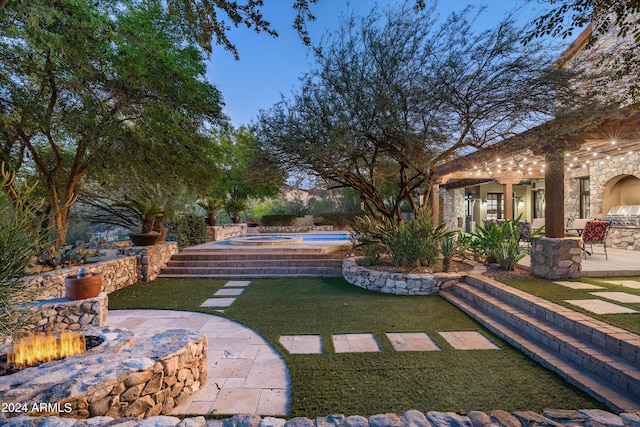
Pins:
x: 585, y: 199
x: 494, y: 206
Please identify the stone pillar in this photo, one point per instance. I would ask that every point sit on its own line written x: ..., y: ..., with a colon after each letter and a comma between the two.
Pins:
x: 553, y: 258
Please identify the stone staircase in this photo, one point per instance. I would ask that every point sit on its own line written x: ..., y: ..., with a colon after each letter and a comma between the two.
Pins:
x: 252, y: 264
x: 600, y: 359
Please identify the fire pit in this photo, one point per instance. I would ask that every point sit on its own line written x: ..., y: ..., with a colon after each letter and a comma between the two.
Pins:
x: 118, y: 378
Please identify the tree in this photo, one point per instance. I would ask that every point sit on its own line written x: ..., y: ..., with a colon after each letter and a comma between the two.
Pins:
x: 395, y: 94
x: 620, y: 18
x: 246, y: 170
x: 100, y: 89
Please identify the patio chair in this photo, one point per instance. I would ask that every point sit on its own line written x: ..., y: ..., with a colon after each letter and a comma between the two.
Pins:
x: 537, y: 223
x: 524, y: 232
x: 595, y: 233
x: 577, y: 226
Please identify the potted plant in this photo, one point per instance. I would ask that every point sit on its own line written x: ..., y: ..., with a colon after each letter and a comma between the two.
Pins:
x: 149, y: 213
x: 211, y: 205
x: 83, y: 285
x: 235, y: 206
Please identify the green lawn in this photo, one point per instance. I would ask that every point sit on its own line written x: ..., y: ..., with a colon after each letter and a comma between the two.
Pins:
x: 372, y: 383
x: 558, y: 294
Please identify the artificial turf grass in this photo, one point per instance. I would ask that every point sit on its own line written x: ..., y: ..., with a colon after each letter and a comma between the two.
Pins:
x: 558, y: 294
x: 377, y: 382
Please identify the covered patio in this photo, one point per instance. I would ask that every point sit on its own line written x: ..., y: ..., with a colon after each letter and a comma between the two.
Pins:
x: 620, y: 263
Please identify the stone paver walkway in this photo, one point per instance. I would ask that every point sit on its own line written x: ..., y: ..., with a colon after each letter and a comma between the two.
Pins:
x: 600, y: 307
x: 355, y: 343
x: 412, y: 341
x: 237, y: 283
x: 218, y: 302
x: 468, y: 340
x: 245, y: 375
x: 633, y: 284
x: 618, y: 296
x: 578, y: 285
x: 302, y: 344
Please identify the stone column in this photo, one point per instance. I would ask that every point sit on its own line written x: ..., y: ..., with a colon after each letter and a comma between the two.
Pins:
x: 553, y: 258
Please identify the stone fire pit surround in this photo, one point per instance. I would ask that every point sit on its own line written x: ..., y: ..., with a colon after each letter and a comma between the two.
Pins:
x: 118, y: 379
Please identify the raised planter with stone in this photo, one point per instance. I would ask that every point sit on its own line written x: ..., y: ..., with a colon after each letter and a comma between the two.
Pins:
x: 400, y: 283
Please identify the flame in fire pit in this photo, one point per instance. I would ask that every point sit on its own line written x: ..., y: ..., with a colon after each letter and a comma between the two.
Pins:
x: 37, y: 349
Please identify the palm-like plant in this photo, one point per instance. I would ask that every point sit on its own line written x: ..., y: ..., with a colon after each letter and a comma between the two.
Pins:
x: 211, y: 205
x: 235, y: 206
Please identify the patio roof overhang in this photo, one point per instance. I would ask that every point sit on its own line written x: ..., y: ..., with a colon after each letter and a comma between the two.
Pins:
x: 585, y: 141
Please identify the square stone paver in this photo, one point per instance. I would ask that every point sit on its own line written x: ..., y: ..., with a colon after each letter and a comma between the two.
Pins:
x: 237, y: 283
x: 237, y: 401
x: 355, y: 343
x: 302, y: 344
x: 228, y: 292
x: 412, y: 341
x: 468, y: 340
x: 633, y: 284
x: 218, y: 302
x: 618, y: 296
x: 578, y: 285
x: 600, y: 307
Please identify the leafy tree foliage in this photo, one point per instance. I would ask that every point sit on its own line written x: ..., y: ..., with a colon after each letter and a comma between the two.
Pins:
x: 101, y: 89
x: 394, y: 94
x: 620, y: 17
x: 246, y: 170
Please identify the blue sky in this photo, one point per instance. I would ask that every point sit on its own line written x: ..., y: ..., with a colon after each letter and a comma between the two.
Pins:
x: 269, y: 67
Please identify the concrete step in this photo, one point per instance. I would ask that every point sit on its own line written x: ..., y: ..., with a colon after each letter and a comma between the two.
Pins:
x: 222, y: 256
x: 615, y: 340
x: 326, y: 263
x: 227, y: 276
x: 272, y: 271
x: 604, y: 375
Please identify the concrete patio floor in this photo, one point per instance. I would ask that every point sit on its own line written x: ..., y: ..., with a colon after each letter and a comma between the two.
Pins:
x: 620, y: 263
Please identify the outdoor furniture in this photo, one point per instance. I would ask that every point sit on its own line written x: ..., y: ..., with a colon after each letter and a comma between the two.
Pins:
x: 576, y: 227
x: 537, y: 223
x: 595, y: 233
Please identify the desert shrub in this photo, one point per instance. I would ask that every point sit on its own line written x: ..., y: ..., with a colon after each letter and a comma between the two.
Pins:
x: 448, y: 249
x: 408, y: 244
x: 188, y: 230
x: 338, y: 219
x: 278, y: 220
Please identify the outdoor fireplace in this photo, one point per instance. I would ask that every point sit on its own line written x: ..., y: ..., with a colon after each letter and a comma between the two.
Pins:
x: 626, y: 216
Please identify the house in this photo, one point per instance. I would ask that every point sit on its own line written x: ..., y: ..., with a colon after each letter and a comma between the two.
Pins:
x: 580, y: 168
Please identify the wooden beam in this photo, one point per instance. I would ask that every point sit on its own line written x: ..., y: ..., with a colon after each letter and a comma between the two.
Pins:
x: 554, y: 194
x: 435, y: 204
x: 507, y: 196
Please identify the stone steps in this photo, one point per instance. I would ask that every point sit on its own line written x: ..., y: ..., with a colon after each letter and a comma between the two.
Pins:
x: 251, y: 264
x: 598, y: 358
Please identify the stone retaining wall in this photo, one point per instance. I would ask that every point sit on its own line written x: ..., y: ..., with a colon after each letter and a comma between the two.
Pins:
x: 399, y: 283
x: 151, y: 259
x: 63, y: 314
x: 411, y: 418
x: 116, y: 274
x: 217, y: 233
x: 146, y: 379
x: 292, y: 228
x: 624, y: 238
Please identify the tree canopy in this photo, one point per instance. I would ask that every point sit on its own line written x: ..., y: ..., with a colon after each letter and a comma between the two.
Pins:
x: 620, y: 18
x: 101, y: 89
x: 395, y: 93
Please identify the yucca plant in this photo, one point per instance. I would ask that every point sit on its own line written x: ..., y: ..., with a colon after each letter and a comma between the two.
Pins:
x: 448, y: 249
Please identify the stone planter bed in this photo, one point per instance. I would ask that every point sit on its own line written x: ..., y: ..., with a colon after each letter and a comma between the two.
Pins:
x: 400, y: 283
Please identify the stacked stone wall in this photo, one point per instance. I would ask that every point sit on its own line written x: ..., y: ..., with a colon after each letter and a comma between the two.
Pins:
x: 399, y: 283
x: 116, y: 274
x: 151, y: 259
x: 411, y: 418
x: 62, y: 314
x: 223, y: 232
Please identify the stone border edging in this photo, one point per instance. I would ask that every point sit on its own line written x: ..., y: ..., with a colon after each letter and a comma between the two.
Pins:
x: 401, y: 283
x: 411, y: 418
